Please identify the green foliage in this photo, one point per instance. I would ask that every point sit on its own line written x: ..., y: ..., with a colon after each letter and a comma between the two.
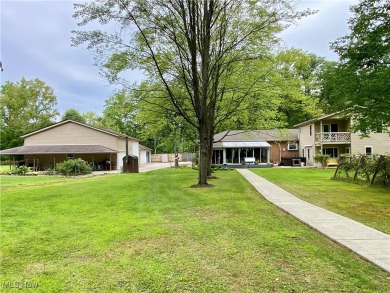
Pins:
x: 73, y: 114
x: 322, y: 159
x: 76, y: 166
x: 363, y: 168
x: 364, y: 71
x: 119, y: 113
x: 215, y: 167
x: 21, y: 170
x: 25, y: 106
x: 50, y: 171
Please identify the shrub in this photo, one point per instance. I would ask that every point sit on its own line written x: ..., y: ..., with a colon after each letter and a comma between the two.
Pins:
x: 50, y: 171
x: 77, y: 166
x: 215, y: 167
x: 21, y: 170
x: 322, y: 159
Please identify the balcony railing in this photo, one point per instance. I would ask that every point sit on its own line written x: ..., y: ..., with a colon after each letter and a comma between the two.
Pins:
x: 333, y: 137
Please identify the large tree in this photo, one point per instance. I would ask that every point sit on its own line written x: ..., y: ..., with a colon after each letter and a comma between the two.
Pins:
x: 119, y: 113
x: 73, y: 114
x: 364, y: 70
x: 26, y: 106
x: 199, y: 51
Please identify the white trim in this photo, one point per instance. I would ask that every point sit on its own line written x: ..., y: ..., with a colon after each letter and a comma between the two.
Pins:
x: 245, y: 144
x: 365, y: 150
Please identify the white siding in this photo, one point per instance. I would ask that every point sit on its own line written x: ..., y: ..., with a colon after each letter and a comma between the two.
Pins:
x: 306, y: 142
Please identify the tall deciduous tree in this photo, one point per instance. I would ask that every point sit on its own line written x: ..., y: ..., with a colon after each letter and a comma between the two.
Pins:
x: 198, y: 50
x: 26, y: 106
x: 73, y: 114
x: 119, y: 111
x: 364, y: 72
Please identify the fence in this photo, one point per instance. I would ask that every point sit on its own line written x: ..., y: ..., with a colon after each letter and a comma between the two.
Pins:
x: 164, y: 158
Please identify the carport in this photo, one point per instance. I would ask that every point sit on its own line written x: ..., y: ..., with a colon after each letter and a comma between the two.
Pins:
x: 43, y: 157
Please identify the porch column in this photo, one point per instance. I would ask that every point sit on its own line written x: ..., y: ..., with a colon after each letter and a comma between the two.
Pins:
x: 224, y: 156
x: 268, y: 155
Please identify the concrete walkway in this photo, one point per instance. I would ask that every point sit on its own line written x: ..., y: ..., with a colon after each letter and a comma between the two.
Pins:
x: 367, y: 242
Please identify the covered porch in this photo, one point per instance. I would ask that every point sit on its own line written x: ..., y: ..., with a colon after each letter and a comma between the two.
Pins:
x: 43, y: 157
x: 238, y: 153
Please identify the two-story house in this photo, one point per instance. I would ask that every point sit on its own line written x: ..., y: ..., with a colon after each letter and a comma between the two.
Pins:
x: 330, y: 134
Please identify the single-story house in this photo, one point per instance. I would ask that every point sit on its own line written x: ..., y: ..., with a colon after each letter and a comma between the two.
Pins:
x: 264, y: 146
x: 331, y: 135
x: 103, y: 148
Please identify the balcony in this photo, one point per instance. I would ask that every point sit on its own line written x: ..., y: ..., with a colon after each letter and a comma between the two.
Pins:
x: 333, y: 137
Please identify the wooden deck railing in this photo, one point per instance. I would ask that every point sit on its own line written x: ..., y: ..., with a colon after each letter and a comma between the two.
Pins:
x: 333, y: 137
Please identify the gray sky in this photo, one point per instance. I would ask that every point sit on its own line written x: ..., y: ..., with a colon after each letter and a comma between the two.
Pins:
x: 36, y: 43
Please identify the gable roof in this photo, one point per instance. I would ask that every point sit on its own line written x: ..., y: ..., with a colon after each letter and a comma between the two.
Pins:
x: 144, y: 148
x: 318, y: 119
x: 107, y: 131
x: 257, y: 135
x: 254, y: 136
x: 58, y: 149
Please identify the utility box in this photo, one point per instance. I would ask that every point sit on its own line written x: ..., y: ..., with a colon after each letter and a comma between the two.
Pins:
x: 130, y: 164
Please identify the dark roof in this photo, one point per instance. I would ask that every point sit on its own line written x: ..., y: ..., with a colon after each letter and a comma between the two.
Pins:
x: 57, y: 149
x: 144, y: 148
x: 108, y: 131
x: 255, y: 136
x: 320, y: 118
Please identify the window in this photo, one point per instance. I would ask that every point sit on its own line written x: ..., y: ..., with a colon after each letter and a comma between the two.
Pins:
x: 332, y: 152
x: 292, y: 146
x: 368, y: 150
x: 347, y: 150
x: 326, y: 128
x: 310, y: 130
x: 308, y: 153
x: 330, y: 128
x: 69, y: 156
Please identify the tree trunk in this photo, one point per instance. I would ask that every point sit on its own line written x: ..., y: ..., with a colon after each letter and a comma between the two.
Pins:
x: 205, y: 140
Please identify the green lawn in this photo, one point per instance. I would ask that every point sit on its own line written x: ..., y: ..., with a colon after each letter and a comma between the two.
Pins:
x: 150, y: 232
x: 365, y: 204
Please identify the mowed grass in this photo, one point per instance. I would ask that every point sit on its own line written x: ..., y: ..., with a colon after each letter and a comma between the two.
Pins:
x: 365, y: 204
x: 151, y: 232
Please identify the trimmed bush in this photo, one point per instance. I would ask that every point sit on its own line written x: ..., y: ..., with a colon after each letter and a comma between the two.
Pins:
x: 322, y: 159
